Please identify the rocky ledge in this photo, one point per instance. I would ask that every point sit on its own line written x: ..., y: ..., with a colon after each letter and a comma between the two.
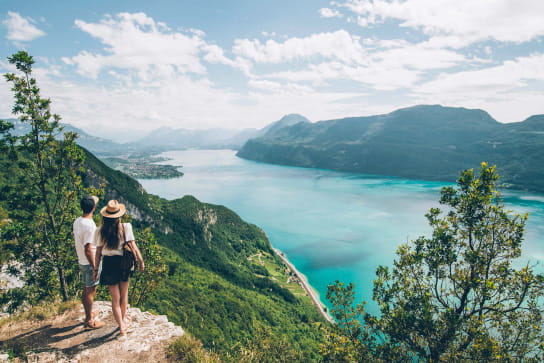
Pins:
x: 64, y: 339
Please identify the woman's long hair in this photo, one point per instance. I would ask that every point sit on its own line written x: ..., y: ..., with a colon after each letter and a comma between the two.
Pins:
x: 111, y: 232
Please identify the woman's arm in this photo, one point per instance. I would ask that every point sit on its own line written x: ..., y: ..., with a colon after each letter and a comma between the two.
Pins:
x: 137, y: 254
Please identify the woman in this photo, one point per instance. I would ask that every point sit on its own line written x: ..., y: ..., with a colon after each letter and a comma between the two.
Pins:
x: 109, y: 239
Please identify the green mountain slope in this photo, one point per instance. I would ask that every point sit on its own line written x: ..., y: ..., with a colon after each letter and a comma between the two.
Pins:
x: 216, y: 289
x: 422, y: 142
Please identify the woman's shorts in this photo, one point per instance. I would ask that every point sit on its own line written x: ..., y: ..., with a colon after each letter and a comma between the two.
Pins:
x: 112, y: 273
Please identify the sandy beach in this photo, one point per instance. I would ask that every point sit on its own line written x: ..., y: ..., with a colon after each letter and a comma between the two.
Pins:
x: 307, y: 287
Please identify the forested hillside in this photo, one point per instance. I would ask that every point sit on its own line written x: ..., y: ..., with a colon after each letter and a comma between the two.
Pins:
x: 214, y: 289
x: 421, y: 142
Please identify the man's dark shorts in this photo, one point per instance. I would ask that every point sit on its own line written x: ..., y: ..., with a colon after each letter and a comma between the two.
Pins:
x: 87, y: 275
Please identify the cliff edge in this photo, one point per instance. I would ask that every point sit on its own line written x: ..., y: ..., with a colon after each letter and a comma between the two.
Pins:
x: 62, y: 338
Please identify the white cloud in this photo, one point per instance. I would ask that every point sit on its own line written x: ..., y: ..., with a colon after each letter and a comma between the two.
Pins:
x: 496, y: 89
x: 337, y: 45
x: 457, y: 20
x: 379, y: 77
x: 330, y: 13
x: 386, y: 65
x: 7, y: 99
x: 21, y: 29
x: 505, y: 77
x: 417, y: 56
x: 178, y: 102
x: 216, y: 55
x: 314, y: 105
x: 319, y: 58
x: 182, y: 102
x: 138, y: 43
x: 153, y: 85
x: 157, y: 75
x: 279, y: 88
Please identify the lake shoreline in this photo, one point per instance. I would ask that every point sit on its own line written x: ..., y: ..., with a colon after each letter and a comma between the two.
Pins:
x: 306, y: 286
x: 342, y: 225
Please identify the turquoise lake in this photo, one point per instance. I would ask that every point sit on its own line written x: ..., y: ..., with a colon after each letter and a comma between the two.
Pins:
x: 331, y: 225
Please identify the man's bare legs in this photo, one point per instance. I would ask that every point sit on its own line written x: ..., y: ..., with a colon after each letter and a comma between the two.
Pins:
x: 87, y: 299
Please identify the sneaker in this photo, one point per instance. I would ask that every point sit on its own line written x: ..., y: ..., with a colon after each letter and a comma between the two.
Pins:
x: 94, y: 325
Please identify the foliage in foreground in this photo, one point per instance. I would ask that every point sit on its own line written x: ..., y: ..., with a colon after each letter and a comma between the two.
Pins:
x: 263, y: 347
x: 144, y: 283
x: 231, y: 320
x: 41, y: 185
x: 454, y: 296
x: 45, y: 189
x: 190, y: 350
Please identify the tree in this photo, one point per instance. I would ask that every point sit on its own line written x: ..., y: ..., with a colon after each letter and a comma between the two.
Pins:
x: 265, y: 346
x: 42, y: 190
x: 456, y: 295
x: 349, y: 342
x: 156, y: 270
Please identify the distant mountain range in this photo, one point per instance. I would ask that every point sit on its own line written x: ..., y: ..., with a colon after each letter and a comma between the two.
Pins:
x: 175, y: 139
x: 422, y: 142
x: 428, y: 142
x: 167, y: 138
x: 97, y: 145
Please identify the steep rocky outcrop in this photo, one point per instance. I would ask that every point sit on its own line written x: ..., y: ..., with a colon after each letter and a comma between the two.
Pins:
x: 64, y: 339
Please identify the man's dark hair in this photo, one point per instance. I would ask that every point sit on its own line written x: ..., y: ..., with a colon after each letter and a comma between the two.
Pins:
x: 87, y: 204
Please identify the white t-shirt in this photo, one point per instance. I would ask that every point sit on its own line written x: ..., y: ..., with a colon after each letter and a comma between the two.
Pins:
x: 84, y: 229
x: 129, y: 236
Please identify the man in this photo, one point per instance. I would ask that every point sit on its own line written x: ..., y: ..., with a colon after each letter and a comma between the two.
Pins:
x: 84, y: 229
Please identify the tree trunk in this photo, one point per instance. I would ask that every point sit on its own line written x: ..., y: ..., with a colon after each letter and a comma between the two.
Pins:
x: 63, y: 290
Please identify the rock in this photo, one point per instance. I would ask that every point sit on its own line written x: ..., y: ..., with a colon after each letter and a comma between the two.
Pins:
x: 63, y: 338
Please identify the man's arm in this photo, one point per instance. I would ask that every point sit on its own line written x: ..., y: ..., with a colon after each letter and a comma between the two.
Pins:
x: 89, y: 254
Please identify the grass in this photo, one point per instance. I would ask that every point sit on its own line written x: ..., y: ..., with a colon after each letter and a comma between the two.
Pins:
x: 41, y: 312
x: 280, y: 273
x: 190, y: 350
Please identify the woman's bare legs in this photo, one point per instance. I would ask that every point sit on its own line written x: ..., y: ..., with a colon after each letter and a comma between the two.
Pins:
x: 123, y: 299
x: 115, y: 292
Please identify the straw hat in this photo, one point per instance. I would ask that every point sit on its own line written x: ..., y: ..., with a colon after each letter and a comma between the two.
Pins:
x: 113, y: 209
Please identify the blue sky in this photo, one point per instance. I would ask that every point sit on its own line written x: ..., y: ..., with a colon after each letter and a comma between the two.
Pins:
x: 140, y: 65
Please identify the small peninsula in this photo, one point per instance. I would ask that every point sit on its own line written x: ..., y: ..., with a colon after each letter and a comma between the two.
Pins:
x: 143, y: 166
